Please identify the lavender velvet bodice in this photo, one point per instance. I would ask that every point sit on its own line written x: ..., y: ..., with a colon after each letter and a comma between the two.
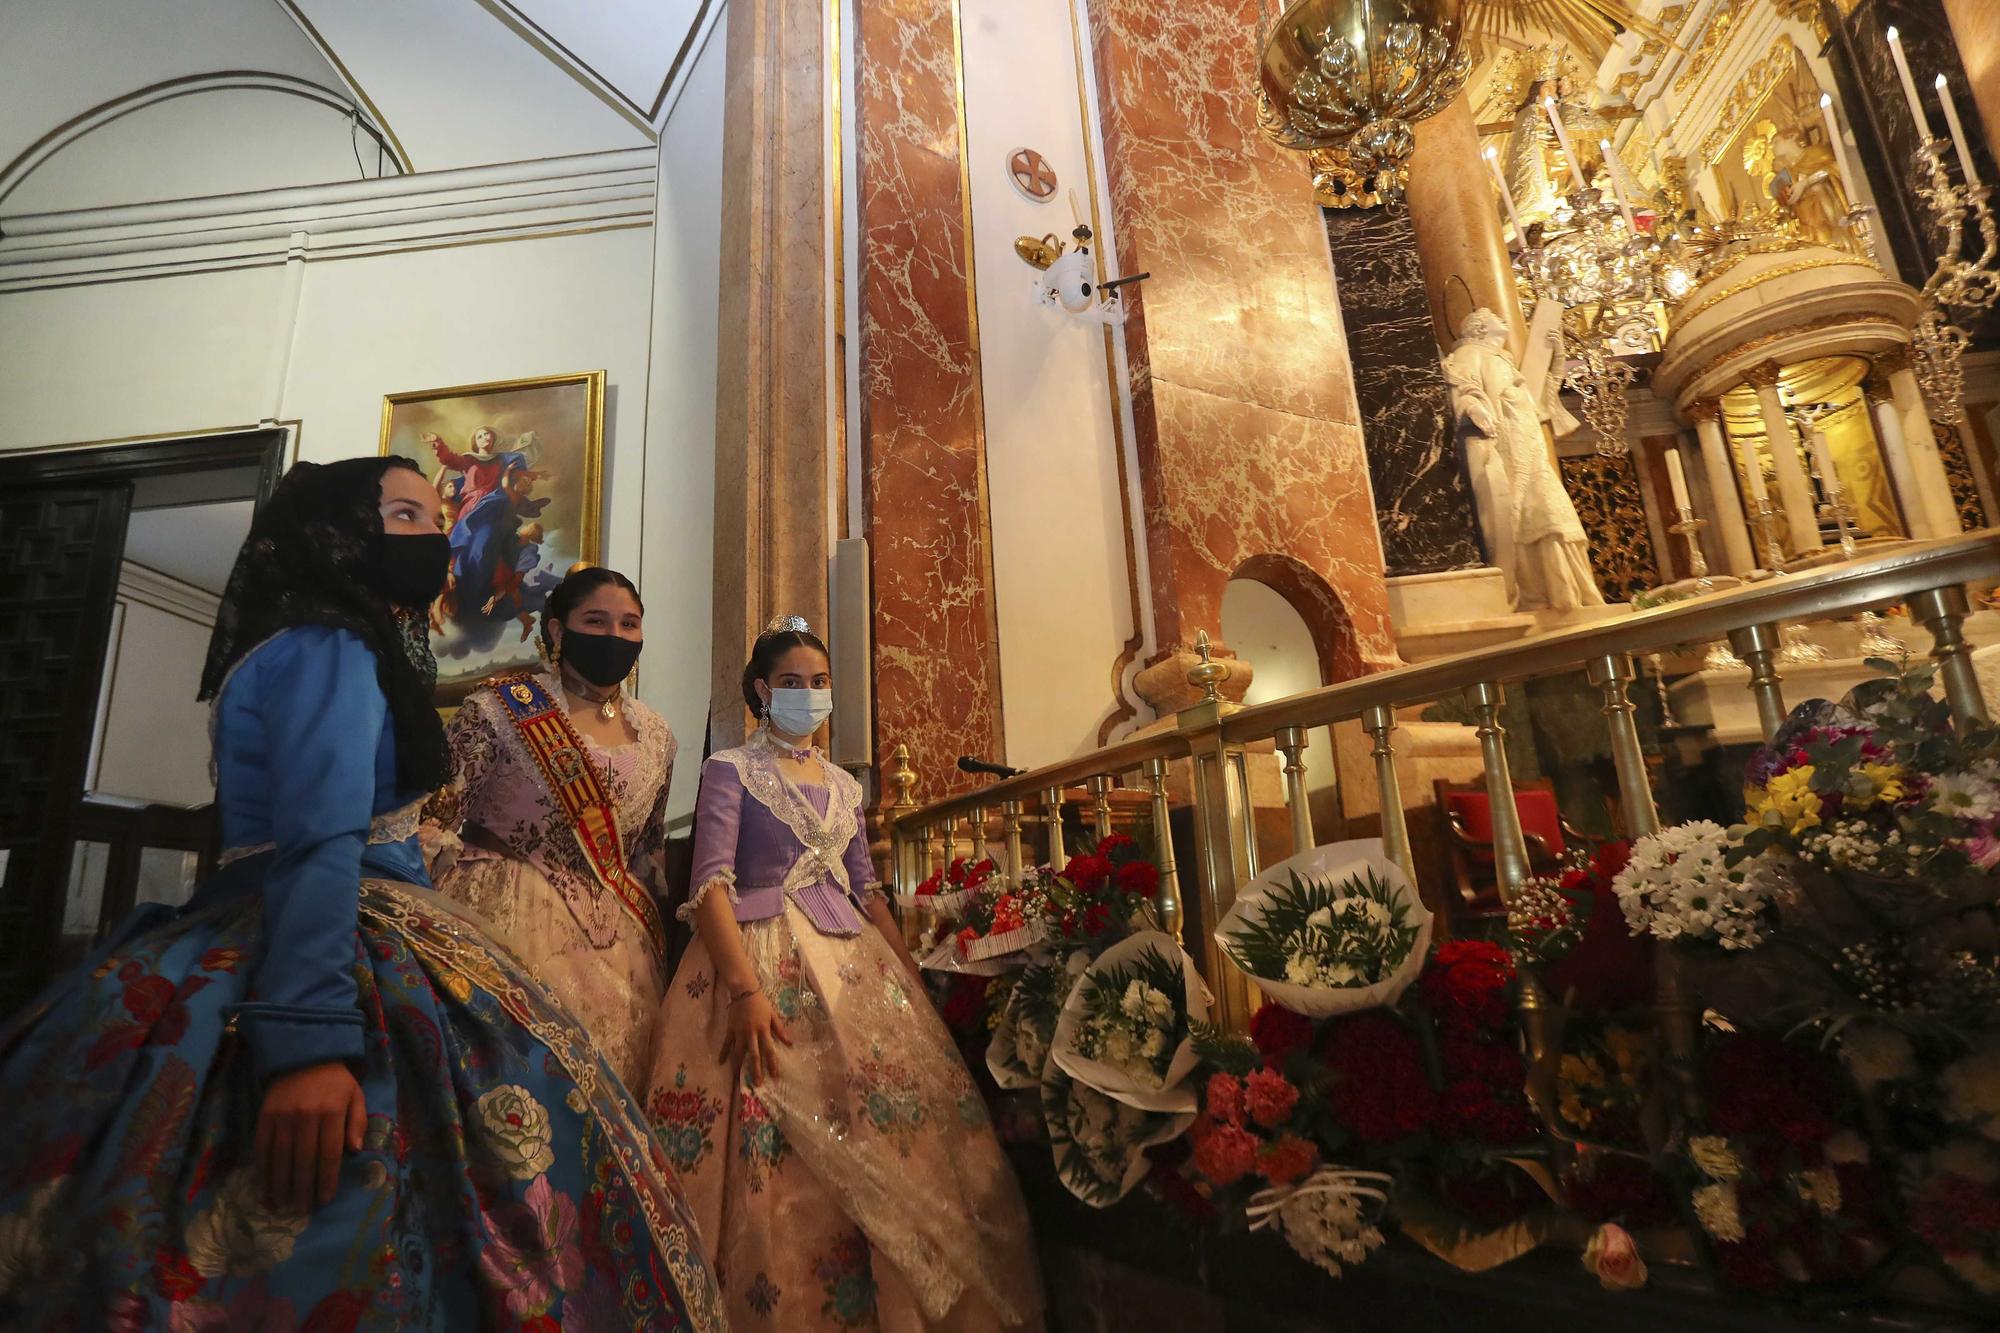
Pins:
x: 747, y: 828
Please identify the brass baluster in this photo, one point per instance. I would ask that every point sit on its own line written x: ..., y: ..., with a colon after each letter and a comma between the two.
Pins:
x: 950, y: 842
x: 905, y: 874
x: 977, y: 819
x: 1642, y: 817
x: 1223, y: 859
x: 1100, y: 805
x: 1510, y: 844
x: 1292, y: 744
x: 1378, y: 722
x: 1052, y: 815
x: 1010, y: 830
x: 1942, y: 611
x: 1758, y: 645
x: 1239, y: 764
x: 1163, y: 850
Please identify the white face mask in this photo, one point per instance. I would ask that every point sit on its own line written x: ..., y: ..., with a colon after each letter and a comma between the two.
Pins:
x: 800, y: 712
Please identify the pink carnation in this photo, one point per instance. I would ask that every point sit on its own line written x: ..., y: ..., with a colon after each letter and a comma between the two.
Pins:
x: 1225, y: 1154
x: 1270, y: 1097
x: 1225, y: 1098
x: 1287, y: 1161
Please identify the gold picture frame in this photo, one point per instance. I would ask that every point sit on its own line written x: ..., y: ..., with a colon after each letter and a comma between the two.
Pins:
x: 519, y: 466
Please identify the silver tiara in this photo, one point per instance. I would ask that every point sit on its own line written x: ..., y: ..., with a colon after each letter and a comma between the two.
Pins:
x: 788, y: 625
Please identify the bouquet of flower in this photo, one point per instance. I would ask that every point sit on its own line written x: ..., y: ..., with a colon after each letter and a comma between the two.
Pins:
x: 1333, y: 930
x: 1883, y: 794
x: 1099, y: 1143
x: 1786, y: 1191
x: 1684, y: 885
x: 947, y: 892
x: 1018, y: 1054
x: 1094, y: 899
x: 994, y: 925
x: 1124, y: 1027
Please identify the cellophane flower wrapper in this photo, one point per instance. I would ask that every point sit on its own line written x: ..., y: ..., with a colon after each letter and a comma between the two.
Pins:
x: 947, y: 905
x: 1098, y: 1142
x: 1174, y: 1093
x: 1328, y: 871
x: 1018, y: 1054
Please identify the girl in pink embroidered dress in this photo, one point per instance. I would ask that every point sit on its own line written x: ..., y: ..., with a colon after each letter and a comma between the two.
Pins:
x: 499, y: 841
x: 831, y: 1142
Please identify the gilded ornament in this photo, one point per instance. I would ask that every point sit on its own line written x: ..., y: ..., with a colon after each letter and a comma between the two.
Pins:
x: 1768, y: 275
x: 1842, y: 320
x: 1356, y: 74
x: 1704, y: 409
x: 1758, y: 82
x: 1895, y: 359
x: 1763, y: 375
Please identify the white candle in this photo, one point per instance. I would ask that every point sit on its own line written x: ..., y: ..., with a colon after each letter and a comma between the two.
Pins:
x: 1506, y: 196
x: 1909, y: 86
x: 1958, y: 139
x: 1562, y: 137
x: 1753, y: 472
x: 1848, y: 177
x: 1678, y: 480
x: 1612, y: 168
x: 1823, y: 459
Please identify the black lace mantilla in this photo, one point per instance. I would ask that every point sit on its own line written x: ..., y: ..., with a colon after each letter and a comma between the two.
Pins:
x: 306, y: 563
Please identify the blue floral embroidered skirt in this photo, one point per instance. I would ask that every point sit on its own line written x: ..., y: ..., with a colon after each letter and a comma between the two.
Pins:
x: 507, y: 1179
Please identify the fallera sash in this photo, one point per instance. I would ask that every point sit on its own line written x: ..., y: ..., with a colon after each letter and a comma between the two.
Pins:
x: 579, y: 792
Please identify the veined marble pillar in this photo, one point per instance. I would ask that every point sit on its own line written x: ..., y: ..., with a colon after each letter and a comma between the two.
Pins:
x: 923, y: 422
x: 1423, y: 501
x: 1896, y: 457
x: 1457, y: 221
x: 1926, y: 463
x: 1738, y: 552
x: 1245, y: 426
x: 770, y: 418
x: 1795, y: 496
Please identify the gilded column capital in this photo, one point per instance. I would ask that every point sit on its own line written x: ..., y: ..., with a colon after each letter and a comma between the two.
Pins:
x: 1895, y: 359
x: 1763, y: 375
x: 1876, y: 386
x: 1704, y: 409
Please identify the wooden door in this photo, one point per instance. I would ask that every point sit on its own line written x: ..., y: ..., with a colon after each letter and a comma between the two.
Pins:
x: 60, y: 546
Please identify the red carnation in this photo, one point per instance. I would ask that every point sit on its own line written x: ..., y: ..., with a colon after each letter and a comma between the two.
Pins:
x: 1115, y: 845
x: 965, y: 1002
x: 1088, y: 873
x: 1279, y: 1033
x: 1138, y: 879
x: 1269, y: 1097
x: 1466, y: 982
x: 1224, y: 1153
x: 1225, y: 1098
x: 1380, y: 1091
x: 1288, y: 1160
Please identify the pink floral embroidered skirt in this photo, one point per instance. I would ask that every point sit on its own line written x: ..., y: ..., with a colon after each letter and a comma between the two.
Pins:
x: 861, y: 1187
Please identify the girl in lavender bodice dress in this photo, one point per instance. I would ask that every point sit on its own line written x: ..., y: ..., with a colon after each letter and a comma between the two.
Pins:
x: 837, y: 1155
x: 552, y: 827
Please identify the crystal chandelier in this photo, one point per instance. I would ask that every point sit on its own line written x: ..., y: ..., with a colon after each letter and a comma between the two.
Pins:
x: 1356, y: 74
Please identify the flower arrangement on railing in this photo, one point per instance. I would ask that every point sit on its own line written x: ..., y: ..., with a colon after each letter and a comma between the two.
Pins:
x: 1843, y: 940
x: 1076, y: 1001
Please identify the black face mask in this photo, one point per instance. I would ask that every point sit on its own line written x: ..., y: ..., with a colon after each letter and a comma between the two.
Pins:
x: 601, y: 659
x: 410, y: 568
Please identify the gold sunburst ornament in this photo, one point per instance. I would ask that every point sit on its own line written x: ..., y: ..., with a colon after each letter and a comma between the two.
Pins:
x: 1357, y: 74
x: 1585, y: 26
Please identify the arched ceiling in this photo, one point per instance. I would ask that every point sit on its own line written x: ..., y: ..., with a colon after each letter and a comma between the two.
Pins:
x: 111, y: 102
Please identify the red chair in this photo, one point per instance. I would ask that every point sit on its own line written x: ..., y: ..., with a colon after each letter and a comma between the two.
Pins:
x: 1468, y: 819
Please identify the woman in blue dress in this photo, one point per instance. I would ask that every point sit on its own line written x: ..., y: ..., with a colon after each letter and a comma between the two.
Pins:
x: 317, y: 1097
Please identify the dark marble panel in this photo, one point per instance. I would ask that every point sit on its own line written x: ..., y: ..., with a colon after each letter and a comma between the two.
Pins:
x: 1884, y: 131
x: 1423, y: 502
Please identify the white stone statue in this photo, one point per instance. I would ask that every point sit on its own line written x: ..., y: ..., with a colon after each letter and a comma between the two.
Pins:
x: 1532, y: 531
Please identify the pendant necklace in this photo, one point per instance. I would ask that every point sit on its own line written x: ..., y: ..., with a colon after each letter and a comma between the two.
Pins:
x: 607, y: 707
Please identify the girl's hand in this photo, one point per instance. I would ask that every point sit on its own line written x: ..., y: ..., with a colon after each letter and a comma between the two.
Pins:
x: 754, y: 1035
x: 309, y: 1117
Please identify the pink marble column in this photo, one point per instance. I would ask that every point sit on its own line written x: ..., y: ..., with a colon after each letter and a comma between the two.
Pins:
x: 1249, y: 449
x: 923, y: 437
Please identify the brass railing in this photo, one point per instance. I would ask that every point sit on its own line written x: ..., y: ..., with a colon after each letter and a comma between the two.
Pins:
x: 1929, y: 578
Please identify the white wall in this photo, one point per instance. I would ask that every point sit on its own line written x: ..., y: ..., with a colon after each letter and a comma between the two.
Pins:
x: 677, y: 554
x: 153, y: 736
x: 1059, y: 567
